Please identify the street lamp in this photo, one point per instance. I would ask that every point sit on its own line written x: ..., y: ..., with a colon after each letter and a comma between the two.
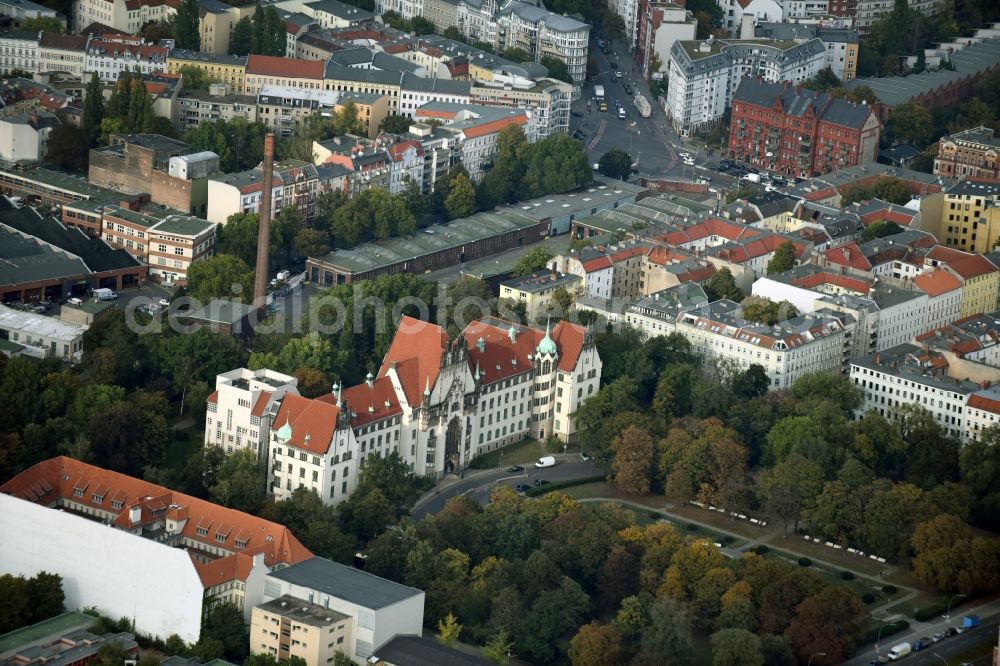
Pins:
x: 877, y: 637
x: 815, y: 654
x: 947, y: 615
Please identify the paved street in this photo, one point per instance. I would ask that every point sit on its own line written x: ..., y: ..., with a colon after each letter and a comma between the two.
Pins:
x: 651, y: 141
x: 479, y: 484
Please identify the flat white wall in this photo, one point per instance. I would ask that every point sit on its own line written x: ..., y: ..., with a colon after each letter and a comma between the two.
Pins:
x: 804, y: 300
x: 122, y: 574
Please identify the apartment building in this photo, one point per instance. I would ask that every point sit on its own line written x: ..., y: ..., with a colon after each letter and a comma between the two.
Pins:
x: 110, y: 55
x: 887, y: 313
x: 374, y: 610
x: 405, y: 8
x: 704, y: 75
x: 25, y: 9
x: 657, y: 313
x: 18, y: 51
x: 547, y: 100
x: 512, y: 23
x: 869, y: 11
x: 62, y: 53
x: 125, y: 15
x: 841, y: 43
x: 659, y: 24
x: 944, y: 296
x: 980, y: 278
x: 407, y: 164
x: 62, y: 515
x: 734, y: 11
x: 288, y: 627
x: 415, y: 91
x: 294, y: 183
x: 440, y: 146
x: 480, y: 127
x: 283, y: 108
x: 227, y: 69
x: 965, y: 216
x: 800, y: 132
x: 241, y: 409
x: 971, y: 153
x: 331, y: 14
x: 945, y: 384
x: 368, y: 81
x: 217, y: 22
x: 537, y: 292
x: 167, y: 240
x: 198, y: 106
x: 976, y: 338
x: 25, y: 137
x: 788, y: 350
x: 275, y: 71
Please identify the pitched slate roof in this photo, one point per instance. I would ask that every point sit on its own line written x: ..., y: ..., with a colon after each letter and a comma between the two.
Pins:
x: 797, y: 101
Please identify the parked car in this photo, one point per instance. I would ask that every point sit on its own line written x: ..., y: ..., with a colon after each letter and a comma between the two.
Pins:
x: 164, y: 303
x: 546, y: 461
x: 950, y: 631
x: 522, y: 487
x: 937, y: 638
x: 514, y: 469
x: 921, y: 643
x: 541, y: 482
x: 576, y: 114
x: 584, y: 456
x: 613, y: 64
x: 684, y: 155
x: 618, y: 73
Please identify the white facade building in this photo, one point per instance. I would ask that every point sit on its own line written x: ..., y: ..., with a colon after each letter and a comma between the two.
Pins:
x: 25, y: 138
x: 786, y: 351
x: 379, y: 609
x: 125, y: 15
x: 405, y: 8
x: 950, y: 388
x: 407, y: 164
x: 109, y: 57
x: 18, y: 51
x: 629, y: 11
x: 733, y: 12
x: 436, y: 402
x: 41, y: 336
x: 62, y: 53
x: 294, y: 184
x: 944, y: 296
x: 241, y: 408
x: 704, y: 75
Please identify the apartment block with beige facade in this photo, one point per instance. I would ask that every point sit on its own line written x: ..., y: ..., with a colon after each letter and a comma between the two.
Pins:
x: 217, y: 22
x: 227, y: 69
x: 288, y: 627
x: 972, y: 153
x: 965, y: 216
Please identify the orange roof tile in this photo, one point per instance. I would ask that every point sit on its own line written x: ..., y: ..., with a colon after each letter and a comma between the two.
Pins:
x: 397, y: 150
x: 967, y: 265
x: 214, y: 397
x: 416, y: 352
x: 260, y: 405
x: 313, y: 422
x: 984, y: 403
x: 290, y: 67
x: 369, y: 404
x: 596, y: 264
x: 848, y: 255
x: 224, y: 570
x: 494, y: 126
x: 937, y: 282
x: 55, y: 478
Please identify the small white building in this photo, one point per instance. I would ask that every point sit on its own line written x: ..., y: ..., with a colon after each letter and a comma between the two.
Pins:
x: 379, y: 609
x: 407, y: 163
x: 294, y: 184
x: 25, y: 138
x: 241, y: 408
x: 41, y: 336
x: 18, y: 51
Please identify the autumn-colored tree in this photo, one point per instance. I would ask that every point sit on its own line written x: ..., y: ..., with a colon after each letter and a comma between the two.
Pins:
x: 448, y: 629
x: 689, y: 565
x: 736, y: 608
x: 633, y: 464
x: 950, y: 558
x: 832, y: 621
x: 312, y: 382
x: 596, y: 645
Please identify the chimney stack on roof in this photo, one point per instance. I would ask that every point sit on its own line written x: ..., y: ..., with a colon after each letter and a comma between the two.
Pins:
x: 264, y: 226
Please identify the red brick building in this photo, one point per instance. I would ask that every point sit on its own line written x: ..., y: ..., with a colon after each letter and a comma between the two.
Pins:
x: 798, y: 132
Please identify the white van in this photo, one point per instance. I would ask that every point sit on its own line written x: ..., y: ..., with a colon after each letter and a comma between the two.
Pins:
x: 546, y: 461
x: 75, y: 301
x: 899, y: 651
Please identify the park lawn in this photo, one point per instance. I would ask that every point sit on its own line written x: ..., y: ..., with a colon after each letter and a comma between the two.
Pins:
x: 524, y: 452
x: 841, y: 558
x: 718, y: 520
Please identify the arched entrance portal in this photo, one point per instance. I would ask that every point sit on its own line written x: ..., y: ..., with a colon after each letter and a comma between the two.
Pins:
x: 452, y: 444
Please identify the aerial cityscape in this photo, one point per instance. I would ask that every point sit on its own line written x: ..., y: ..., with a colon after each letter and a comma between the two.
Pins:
x: 514, y: 332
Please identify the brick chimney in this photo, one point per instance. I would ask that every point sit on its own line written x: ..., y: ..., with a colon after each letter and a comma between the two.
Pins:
x: 264, y: 228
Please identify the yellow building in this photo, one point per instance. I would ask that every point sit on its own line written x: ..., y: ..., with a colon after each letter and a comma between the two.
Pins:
x: 372, y: 109
x: 371, y: 81
x: 980, y: 278
x: 227, y: 69
x: 290, y: 627
x: 217, y: 22
x: 965, y: 216
x: 538, y: 291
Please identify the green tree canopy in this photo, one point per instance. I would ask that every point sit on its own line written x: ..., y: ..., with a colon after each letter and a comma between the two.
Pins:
x: 783, y: 259
x: 186, y: 26
x: 615, y: 163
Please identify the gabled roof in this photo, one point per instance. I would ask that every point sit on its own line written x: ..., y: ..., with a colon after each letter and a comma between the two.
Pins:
x: 416, y: 352
x: 966, y: 264
x: 937, y: 282
x: 224, y: 570
x: 313, y: 422
x: 398, y: 150
x: 59, y: 477
x: 290, y: 67
x: 497, y: 360
x: 848, y: 255
x: 370, y: 404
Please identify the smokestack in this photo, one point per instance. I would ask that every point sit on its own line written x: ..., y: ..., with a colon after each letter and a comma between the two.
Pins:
x: 264, y: 229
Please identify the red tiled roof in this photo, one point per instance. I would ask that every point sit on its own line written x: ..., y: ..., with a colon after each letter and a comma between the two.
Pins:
x: 596, y: 264
x: 937, y: 282
x: 57, y: 477
x: 843, y: 281
x: 416, y: 352
x: 261, y: 404
x: 819, y: 195
x: 224, y: 570
x: 967, y: 265
x: 496, y: 361
x: 984, y: 403
x: 397, y: 150
x: 369, y: 404
x: 494, y: 126
x: 214, y: 397
x: 313, y: 422
x: 290, y: 67
x: 848, y: 255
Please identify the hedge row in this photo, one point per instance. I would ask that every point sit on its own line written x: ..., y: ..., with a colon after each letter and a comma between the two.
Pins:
x: 886, y: 630
x: 930, y: 612
x: 559, y: 485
